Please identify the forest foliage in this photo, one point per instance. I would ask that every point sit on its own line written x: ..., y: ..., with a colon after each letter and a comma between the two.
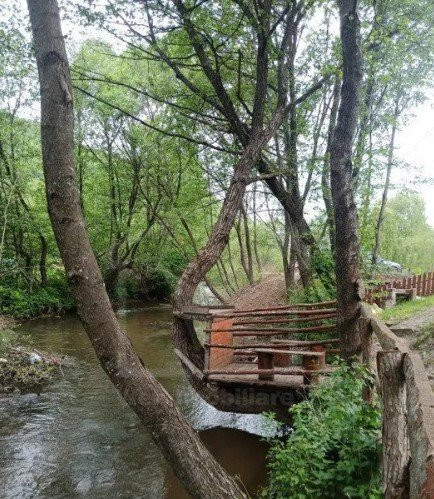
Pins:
x: 154, y: 158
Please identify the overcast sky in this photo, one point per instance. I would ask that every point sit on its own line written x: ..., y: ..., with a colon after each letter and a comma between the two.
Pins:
x: 415, y: 143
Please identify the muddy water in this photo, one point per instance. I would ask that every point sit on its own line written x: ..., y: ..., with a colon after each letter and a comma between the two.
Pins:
x: 79, y: 439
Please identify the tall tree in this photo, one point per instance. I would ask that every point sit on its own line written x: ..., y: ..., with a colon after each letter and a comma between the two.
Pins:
x: 347, y: 247
x: 194, y: 466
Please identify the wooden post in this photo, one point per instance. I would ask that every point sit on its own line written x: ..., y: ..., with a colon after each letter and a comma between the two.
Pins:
x: 413, y: 282
x: 424, y: 285
x: 365, y: 331
x: 429, y: 284
x: 207, y: 349
x: 396, y: 455
x: 322, y: 360
x: 419, y: 285
x: 312, y: 364
x: 420, y: 424
x: 266, y: 362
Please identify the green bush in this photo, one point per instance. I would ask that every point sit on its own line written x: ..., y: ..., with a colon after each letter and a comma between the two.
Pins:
x: 19, y: 303
x: 334, y: 450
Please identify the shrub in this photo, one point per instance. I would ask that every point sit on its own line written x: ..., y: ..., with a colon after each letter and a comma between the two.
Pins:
x: 18, y: 302
x: 334, y: 449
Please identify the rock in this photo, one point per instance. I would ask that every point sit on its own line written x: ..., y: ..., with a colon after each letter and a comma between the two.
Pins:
x: 34, y: 358
x: 3, y: 361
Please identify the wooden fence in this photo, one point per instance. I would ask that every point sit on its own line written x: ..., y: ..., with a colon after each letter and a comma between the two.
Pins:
x: 422, y: 284
x: 408, y: 414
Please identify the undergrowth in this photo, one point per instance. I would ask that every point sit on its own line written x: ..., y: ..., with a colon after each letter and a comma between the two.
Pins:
x: 334, y: 449
x: 20, y: 303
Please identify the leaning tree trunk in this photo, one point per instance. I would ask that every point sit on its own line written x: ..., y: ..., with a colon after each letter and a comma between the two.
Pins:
x: 201, y: 475
x: 347, y: 246
x: 184, y: 336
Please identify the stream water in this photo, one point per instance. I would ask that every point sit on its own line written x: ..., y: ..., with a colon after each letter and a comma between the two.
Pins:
x: 78, y: 438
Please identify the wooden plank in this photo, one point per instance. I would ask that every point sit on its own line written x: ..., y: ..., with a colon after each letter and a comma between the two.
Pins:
x: 274, y: 331
x: 306, y: 353
x: 289, y: 371
x: 275, y: 344
x: 194, y: 316
x: 387, y: 339
x: 265, y: 320
x: 277, y: 314
x: 195, y: 371
x: 420, y: 423
x: 312, y: 306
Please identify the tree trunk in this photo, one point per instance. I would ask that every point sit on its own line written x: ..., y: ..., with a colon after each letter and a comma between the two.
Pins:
x: 111, y: 278
x: 347, y: 247
x: 325, y: 182
x: 386, y: 185
x: 201, y: 475
x: 43, y: 261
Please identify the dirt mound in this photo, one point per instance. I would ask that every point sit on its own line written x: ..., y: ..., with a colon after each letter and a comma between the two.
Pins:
x: 269, y: 291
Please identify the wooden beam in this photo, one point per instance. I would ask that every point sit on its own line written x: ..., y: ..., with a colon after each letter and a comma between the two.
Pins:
x: 305, y: 353
x: 195, y: 371
x: 282, y: 371
x: 312, y: 306
x: 387, y: 339
x: 276, y: 314
x: 283, y: 320
x: 274, y: 344
x: 274, y: 332
x: 420, y: 426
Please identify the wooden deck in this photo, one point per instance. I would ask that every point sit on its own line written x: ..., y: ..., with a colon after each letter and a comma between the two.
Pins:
x: 285, y: 347
x: 291, y: 377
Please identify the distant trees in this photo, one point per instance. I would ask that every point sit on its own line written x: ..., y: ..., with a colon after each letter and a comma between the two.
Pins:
x: 407, y: 238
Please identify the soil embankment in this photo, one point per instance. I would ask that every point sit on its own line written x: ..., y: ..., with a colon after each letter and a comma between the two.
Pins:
x: 268, y: 292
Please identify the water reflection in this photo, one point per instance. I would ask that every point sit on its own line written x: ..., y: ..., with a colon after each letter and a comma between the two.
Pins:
x: 79, y: 439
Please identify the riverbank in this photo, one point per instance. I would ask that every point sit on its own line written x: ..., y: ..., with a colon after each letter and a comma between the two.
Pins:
x: 23, y: 368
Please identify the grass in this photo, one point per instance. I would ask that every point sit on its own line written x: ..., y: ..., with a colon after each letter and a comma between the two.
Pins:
x: 407, y: 309
x: 425, y: 336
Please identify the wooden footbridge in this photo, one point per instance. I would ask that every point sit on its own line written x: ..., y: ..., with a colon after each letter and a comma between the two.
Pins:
x: 284, y: 348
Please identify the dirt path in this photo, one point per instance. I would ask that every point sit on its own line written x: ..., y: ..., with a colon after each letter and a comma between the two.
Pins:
x: 419, y: 332
x: 266, y: 293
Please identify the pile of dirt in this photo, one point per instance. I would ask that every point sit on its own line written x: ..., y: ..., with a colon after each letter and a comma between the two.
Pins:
x: 268, y: 292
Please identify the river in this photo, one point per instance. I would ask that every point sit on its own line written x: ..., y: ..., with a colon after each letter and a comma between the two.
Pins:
x: 78, y: 438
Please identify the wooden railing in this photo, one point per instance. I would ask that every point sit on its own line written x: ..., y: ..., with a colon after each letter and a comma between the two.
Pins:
x: 408, y: 415
x: 255, y: 342
x: 419, y: 285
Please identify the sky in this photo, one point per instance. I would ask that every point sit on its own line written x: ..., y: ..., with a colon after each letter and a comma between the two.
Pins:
x: 415, y: 145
